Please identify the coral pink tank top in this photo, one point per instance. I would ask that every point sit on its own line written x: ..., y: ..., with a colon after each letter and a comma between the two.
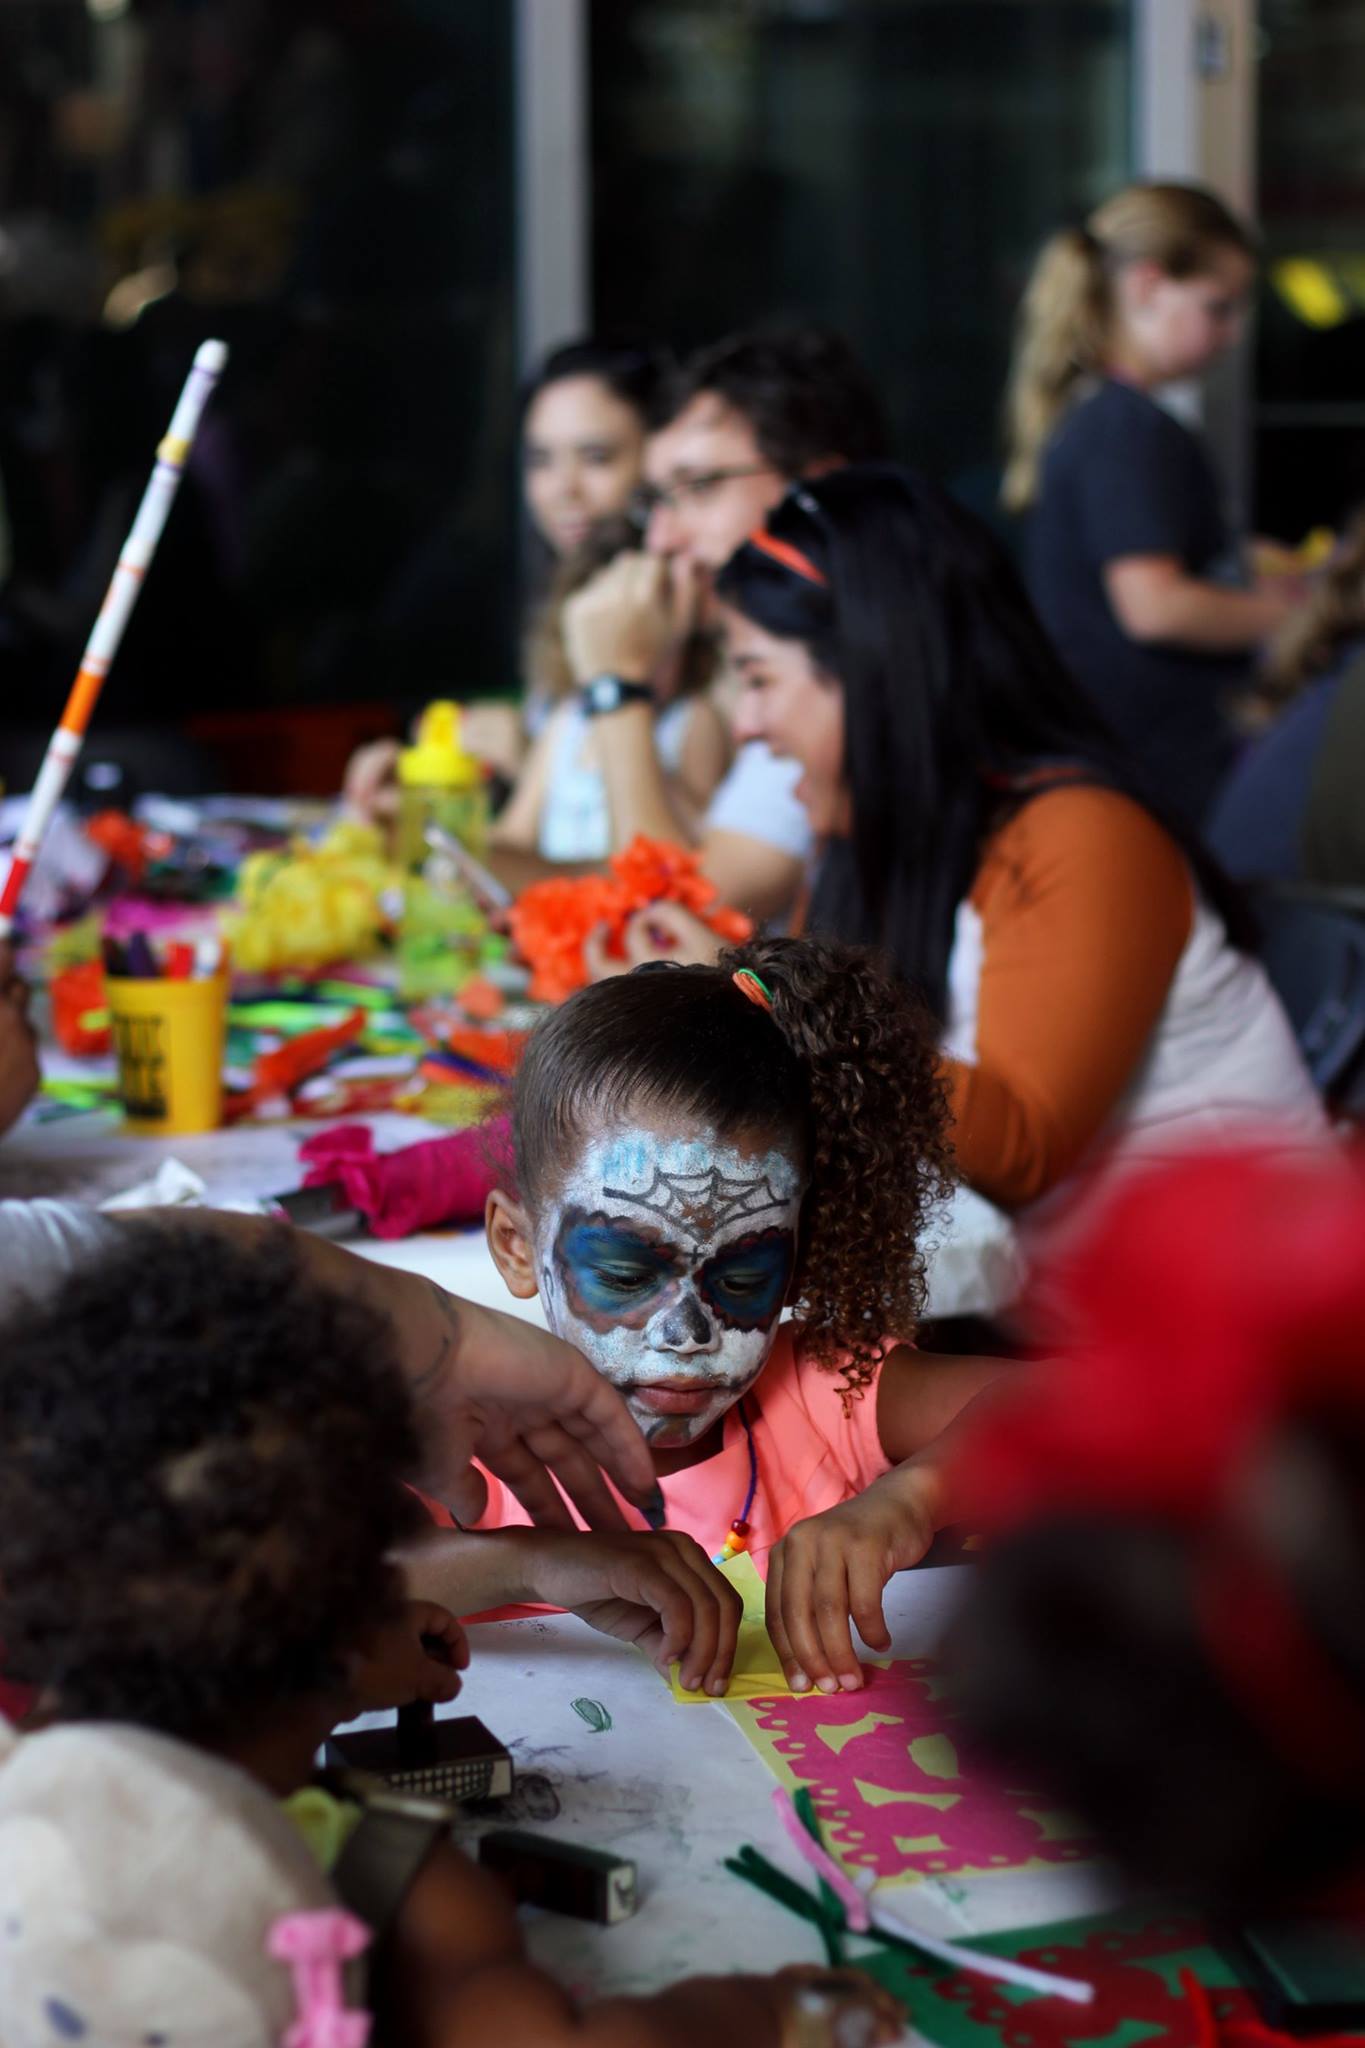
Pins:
x: 811, y: 1456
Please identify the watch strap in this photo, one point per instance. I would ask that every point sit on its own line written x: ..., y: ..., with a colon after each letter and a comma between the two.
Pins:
x: 611, y: 693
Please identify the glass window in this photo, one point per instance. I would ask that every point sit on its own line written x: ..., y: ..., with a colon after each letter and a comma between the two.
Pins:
x: 1310, y: 411
x: 888, y: 166
x: 328, y: 185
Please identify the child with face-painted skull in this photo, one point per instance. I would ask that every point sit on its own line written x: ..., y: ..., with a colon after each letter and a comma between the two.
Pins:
x: 696, y: 1148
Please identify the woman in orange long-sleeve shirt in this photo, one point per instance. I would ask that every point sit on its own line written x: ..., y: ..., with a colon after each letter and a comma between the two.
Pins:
x: 1086, y: 958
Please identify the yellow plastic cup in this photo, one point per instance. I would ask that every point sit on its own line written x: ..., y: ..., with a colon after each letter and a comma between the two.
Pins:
x: 169, y: 1038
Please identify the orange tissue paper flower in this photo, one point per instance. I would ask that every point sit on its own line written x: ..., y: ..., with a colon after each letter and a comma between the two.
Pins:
x: 552, y: 920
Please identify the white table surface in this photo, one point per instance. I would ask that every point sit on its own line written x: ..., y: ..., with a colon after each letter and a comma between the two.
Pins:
x: 677, y: 1789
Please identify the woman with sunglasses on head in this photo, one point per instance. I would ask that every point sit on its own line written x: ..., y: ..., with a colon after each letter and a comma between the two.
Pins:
x: 979, y: 820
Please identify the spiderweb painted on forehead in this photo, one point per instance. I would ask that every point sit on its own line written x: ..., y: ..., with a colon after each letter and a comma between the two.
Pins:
x: 712, y: 1195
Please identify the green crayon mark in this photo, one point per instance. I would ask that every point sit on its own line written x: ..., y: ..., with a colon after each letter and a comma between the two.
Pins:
x: 594, y: 1713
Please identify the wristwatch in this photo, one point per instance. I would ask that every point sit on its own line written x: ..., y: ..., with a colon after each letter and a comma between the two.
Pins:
x: 611, y: 693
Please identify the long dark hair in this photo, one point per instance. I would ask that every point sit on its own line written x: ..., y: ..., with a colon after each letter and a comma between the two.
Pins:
x: 635, y: 371
x: 957, y: 707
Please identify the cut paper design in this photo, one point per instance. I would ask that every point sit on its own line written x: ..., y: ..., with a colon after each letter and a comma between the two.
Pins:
x: 1134, y: 1960
x: 882, y: 1767
x: 757, y: 1670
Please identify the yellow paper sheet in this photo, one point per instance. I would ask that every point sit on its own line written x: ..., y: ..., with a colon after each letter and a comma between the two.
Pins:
x: 757, y: 1673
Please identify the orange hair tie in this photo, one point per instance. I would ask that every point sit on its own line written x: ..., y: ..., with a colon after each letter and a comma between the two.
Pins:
x: 748, y: 984
x: 791, y: 558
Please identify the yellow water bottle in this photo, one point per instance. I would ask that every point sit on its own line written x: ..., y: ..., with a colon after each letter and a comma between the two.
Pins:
x: 440, y: 784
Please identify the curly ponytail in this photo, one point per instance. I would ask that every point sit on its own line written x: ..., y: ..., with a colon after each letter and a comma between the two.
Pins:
x: 844, y: 1069
x: 879, y: 1153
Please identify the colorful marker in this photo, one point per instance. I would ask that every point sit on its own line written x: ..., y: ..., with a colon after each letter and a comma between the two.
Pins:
x: 107, y: 631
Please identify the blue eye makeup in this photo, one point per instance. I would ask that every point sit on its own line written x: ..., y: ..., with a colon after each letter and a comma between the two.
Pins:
x: 608, y: 1268
x: 746, y: 1284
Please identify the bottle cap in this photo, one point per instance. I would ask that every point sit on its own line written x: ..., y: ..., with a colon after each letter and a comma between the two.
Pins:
x: 437, y: 760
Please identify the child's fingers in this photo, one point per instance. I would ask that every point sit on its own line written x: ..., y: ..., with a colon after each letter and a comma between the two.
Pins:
x: 865, y: 1587
x: 642, y: 1574
x: 437, y: 1682
x: 449, y: 1644
x: 814, y: 1610
x: 694, y: 1605
x: 696, y: 1651
x: 794, y: 1606
x: 832, y: 1602
x: 710, y: 1674
x: 792, y: 1669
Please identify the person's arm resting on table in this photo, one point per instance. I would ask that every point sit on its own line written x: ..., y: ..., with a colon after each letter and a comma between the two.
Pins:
x: 661, y: 1593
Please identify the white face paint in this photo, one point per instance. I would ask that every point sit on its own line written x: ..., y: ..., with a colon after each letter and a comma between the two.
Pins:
x: 666, y: 1260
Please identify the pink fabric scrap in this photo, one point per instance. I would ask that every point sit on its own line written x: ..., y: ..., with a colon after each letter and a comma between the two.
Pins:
x: 439, y: 1180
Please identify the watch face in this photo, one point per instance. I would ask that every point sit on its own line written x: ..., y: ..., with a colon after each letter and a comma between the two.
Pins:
x: 609, y: 693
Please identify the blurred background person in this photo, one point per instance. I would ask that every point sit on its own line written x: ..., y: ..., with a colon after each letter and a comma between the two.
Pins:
x: 746, y: 419
x: 1129, y: 556
x: 1291, y: 809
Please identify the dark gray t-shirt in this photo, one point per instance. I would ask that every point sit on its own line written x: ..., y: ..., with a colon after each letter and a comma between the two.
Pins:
x: 1122, y: 477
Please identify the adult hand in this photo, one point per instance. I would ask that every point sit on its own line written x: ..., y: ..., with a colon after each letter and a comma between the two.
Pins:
x: 485, y: 1385
x: 622, y: 622
x: 530, y: 1408
x: 661, y: 931
x: 19, y: 1071
x: 836, y: 1565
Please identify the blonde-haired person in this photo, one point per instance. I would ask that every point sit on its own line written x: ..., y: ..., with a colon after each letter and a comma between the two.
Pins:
x: 1126, y: 538
x: 1291, y: 810
x: 559, y: 808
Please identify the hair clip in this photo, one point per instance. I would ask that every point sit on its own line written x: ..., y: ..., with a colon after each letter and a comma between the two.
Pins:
x: 802, y: 499
x: 749, y: 985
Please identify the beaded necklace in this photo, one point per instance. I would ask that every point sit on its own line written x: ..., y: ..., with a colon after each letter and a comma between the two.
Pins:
x: 737, y: 1539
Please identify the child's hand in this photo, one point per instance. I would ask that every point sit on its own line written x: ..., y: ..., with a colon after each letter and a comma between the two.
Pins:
x: 835, y: 1565
x: 828, y: 2008
x: 417, y: 1657
x: 661, y: 1593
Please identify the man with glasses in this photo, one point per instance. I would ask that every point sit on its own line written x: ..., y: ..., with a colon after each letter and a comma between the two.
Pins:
x: 749, y: 417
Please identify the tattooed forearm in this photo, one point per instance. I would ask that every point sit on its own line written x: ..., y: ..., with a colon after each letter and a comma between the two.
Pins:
x: 449, y: 1342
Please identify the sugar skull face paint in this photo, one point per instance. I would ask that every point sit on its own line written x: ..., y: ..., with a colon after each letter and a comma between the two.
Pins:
x: 667, y: 1260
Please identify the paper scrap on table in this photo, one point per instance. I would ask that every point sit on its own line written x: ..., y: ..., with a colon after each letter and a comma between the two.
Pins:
x: 757, y: 1670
